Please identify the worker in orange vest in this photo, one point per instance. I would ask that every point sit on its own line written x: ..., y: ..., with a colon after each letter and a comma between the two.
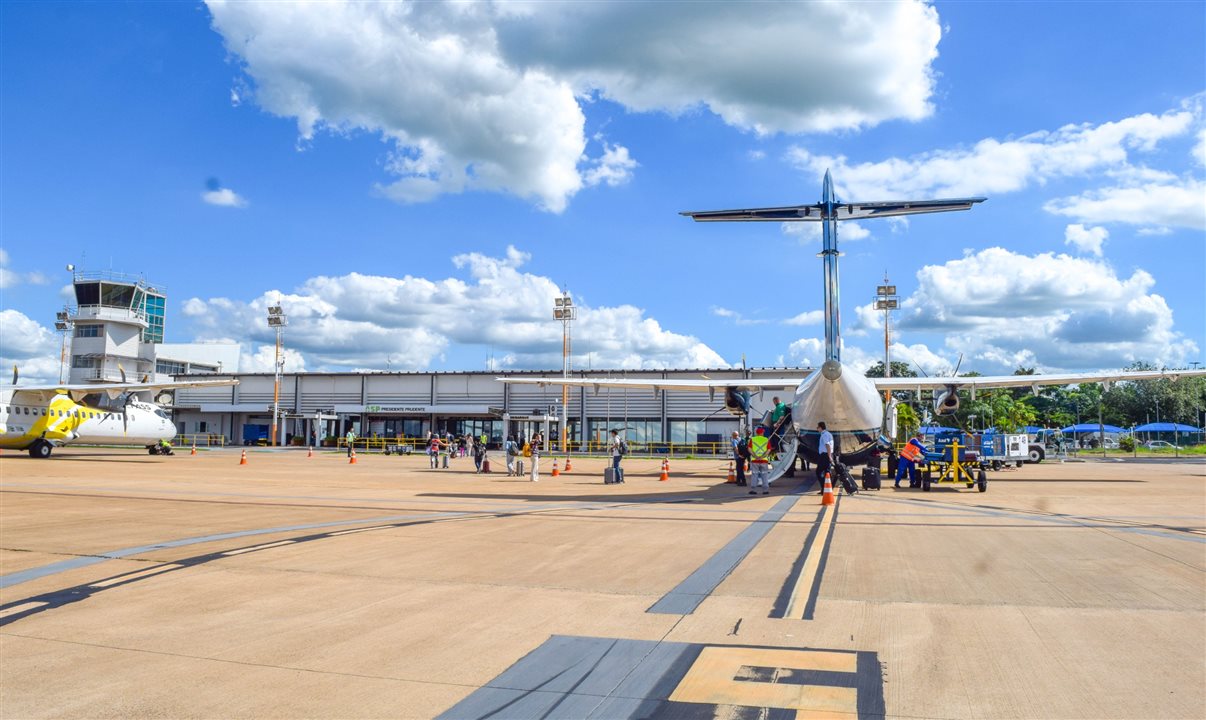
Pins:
x: 911, y: 454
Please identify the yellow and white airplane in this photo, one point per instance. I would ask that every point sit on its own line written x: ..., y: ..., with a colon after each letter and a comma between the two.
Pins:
x: 40, y: 418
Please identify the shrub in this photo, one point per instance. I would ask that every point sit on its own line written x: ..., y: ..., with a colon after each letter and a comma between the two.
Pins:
x: 1127, y: 444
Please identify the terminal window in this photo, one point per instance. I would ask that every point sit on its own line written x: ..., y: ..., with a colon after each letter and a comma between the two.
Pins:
x: 88, y: 330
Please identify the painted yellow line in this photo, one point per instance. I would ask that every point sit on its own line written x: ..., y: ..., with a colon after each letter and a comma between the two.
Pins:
x: 808, y: 573
x: 131, y: 576
x: 349, y: 532
x: 260, y: 547
x: 16, y: 609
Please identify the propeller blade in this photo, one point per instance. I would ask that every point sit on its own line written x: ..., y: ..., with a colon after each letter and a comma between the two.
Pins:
x: 144, y: 378
x: 122, y: 370
x: 957, y: 365
x: 15, y: 373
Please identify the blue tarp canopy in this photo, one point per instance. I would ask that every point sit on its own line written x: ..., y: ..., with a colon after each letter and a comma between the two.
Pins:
x: 1092, y: 428
x: 934, y: 429
x: 1032, y: 429
x: 1167, y: 427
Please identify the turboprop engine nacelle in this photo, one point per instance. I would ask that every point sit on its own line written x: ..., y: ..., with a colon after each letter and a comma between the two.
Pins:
x: 946, y: 403
x: 736, y: 401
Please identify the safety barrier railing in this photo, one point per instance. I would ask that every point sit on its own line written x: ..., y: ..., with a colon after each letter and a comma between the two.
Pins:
x: 419, y: 445
x: 200, y: 440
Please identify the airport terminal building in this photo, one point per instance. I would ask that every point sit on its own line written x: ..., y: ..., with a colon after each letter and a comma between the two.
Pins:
x: 323, y: 406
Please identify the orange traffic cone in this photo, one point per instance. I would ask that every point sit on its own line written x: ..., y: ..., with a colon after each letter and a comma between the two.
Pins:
x: 352, y: 457
x: 310, y: 451
x: 194, y: 450
x: 732, y: 475
x: 827, y: 497
x: 243, y: 460
x: 665, y: 471
x: 556, y: 472
x: 568, y: 466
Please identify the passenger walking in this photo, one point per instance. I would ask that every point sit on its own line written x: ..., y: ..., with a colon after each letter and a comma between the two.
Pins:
x: 911, y: 454
x: 536, y: 443
x: 760, y: 453
x: 741, y: 453
x: 479, y: 454
x: 433, y: 452
x: 619, y: 448
x: 824, y: 452
x: 511, y: 449
x: 778, y: 426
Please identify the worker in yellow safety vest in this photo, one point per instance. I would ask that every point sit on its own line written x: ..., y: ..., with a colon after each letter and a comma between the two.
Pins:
x: 760, y: 456
x: 910, y: 455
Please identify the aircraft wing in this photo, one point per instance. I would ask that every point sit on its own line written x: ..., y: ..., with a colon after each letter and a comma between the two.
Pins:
x: 1031, y: 381
x: 845, y: 211
x: 79, y: 391
x: 700, y: 385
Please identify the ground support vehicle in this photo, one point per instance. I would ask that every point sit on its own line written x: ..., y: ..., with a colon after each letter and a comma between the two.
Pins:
x: 953, y: 462
x: 998, y: 450
x: 399, y: 449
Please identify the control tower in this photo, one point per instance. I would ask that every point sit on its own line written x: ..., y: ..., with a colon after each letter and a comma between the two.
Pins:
x: 117, y: 320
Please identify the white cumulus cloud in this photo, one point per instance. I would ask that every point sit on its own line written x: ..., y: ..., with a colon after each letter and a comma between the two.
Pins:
x: 31, y: 346
x: 994, y: 166
x: 489, y: 96
x: 1157, y: 204
x: 1003, y: 309
x: 357, y: 321
x: 1087, y: 240
x: 224, y: 197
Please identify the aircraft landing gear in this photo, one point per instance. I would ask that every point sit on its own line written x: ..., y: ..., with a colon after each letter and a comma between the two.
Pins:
x: 159, y: 450
x: 40, y: 449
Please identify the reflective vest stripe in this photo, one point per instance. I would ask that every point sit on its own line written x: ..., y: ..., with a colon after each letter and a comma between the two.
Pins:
x: 759, y: 448
x: 910, y: 452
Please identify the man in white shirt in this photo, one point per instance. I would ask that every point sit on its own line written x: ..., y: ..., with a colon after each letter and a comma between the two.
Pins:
x: 824, y: 452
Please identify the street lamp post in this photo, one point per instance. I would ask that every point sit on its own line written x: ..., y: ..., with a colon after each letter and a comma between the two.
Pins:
x: 565, y: 311
x: 886, y: 300
x: 277, y: 320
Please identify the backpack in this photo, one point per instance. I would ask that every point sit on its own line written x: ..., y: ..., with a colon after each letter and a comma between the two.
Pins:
x: 623, y: 446
x: 511, y: 449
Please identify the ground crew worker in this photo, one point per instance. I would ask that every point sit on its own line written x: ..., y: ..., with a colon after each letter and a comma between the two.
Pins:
x: 912, y: 453
x: 741, y: 453
x: 351, y: 438
x: 781, y: 411
x: 760, y: 453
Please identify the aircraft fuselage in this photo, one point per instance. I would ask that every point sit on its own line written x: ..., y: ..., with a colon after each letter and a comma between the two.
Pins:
x: 27, y: 422
x: 849, y: 405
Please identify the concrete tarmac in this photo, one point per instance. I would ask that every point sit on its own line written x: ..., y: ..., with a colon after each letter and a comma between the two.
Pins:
x: 192, y: 587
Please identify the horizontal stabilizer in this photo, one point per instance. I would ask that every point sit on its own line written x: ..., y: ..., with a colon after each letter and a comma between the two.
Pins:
x: 843, y: 211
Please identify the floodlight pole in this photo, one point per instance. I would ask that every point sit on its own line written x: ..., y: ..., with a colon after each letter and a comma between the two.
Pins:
x: 62, y: 323
x: 564, y: 310
x: 886, y: 300
x: 277, y: 320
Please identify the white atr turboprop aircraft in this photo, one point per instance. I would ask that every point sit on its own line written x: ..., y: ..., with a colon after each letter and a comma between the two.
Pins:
x: 39, y: 418
x: 848, y: 402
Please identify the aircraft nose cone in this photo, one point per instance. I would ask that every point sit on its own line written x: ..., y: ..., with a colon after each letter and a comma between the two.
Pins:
x: 831, y: 370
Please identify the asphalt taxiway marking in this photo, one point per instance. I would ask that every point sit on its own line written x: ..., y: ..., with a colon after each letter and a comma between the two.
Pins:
x: 688, y: 594
x: 798, y: 598
x: 591, y: 677
x: 24, y: 607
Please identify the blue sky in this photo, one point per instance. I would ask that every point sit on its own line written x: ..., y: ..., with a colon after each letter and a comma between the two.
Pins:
x: 416, y: 181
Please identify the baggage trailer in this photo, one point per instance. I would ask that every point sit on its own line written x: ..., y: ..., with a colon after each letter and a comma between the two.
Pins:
x: 955, y: 460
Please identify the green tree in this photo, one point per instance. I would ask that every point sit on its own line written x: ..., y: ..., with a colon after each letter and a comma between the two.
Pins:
x: 899, y: 369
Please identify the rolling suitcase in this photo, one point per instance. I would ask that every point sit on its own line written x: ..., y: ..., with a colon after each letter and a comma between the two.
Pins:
x: 870, y: 478
x: 486, y: 465
x: 519, y: 467
x: 843, y: 475
x: 609, y: 476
